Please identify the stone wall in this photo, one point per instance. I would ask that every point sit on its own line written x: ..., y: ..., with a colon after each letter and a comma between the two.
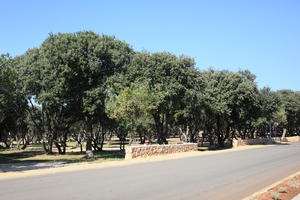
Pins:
x: 238, y: 143
x: 153, y: 150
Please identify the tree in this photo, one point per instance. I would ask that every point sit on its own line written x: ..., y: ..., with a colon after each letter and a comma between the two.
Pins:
x: 291, y: 110
x: 168, y: 76
x: 12, y: 103
x: 133, y: 107
x: 191, y: 114
x: 269, y: 105
x: 230, y: 100
x: 67, y: 78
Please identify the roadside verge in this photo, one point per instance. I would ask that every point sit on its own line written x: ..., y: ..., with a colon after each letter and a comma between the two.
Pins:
x: 285, y: 189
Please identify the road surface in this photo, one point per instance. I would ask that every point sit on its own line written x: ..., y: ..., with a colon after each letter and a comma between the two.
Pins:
x: 229, y: 176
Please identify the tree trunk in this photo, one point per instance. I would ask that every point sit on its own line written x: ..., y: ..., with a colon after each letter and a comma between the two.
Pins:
x: 161, y: 135
x: 220, y: 140
x: 89, y: 144
x: 48, y: 146
x: 81, y: 150
x: 284, y: 133
x: 58, y: 147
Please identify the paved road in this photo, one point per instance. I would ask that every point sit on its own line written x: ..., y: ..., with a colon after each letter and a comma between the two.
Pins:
x: 228, y: 176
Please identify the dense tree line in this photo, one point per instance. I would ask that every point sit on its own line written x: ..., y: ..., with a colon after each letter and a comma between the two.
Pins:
x: 88, y: 87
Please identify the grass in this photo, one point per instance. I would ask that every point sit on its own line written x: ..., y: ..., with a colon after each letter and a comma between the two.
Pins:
x: 214, y: 148
x: 35, y: 154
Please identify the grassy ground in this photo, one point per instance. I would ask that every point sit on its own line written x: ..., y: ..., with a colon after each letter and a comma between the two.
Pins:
x: 35, y: 154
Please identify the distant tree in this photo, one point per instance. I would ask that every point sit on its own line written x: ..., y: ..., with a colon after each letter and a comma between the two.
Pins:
x: 269, y: 105
x: 291, y: 110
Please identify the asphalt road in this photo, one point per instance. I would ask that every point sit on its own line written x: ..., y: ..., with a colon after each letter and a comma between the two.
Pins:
x: 229, y: 175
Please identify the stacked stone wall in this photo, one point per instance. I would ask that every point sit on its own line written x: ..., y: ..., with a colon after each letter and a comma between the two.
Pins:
x: 154, y: 150
x: 238, y: 143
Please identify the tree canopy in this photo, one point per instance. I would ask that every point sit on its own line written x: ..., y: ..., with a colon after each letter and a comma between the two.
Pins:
x: 88, y: 86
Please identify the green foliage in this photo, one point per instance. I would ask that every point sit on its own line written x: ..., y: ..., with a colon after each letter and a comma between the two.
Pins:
x: 231, y: 102
x: 269, y: 102
x: 133, y: 107
x: 9, y: 96
x: 290, y: 109
x: 168, y: 76
x: 282, y: 189
x: 280, y: 116
x: 67, y: 77
x: 12, y: 101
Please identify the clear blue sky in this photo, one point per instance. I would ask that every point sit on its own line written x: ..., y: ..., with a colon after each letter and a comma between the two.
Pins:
x: 260, y: 35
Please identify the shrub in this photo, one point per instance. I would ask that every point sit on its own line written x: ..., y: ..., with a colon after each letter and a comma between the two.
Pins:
x: 294, y: 183
x: 275, y: 196
x: 282, y: 190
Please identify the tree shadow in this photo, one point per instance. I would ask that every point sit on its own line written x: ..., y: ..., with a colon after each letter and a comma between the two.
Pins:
x: 271, y: 144
x: 13, y: 157
x: 281, y: 143
x: 229, y: 146
x: 13, y: 161
x: 110, y: 154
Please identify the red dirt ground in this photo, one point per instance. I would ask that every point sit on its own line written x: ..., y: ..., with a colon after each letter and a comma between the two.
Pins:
x: 283, y: 191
